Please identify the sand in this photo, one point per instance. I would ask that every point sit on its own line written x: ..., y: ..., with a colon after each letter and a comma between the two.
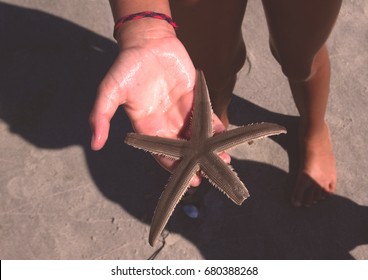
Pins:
x: 60, y: 200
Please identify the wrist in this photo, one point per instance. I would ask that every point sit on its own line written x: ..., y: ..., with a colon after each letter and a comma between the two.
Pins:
x: 122, y: 8
x: 143, y: 15
x: 142, y: 29
x: 137, y: 32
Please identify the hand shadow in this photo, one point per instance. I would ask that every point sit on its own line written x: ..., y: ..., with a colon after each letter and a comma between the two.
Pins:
x: 50, y: 69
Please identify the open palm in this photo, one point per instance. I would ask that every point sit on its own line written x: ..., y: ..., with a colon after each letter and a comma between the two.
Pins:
x: 155, y: 84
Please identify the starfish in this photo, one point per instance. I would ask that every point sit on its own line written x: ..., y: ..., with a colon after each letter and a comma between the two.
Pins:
x: 200, y: 153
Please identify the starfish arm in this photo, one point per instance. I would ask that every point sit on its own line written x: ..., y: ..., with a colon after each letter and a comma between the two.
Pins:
x: 172, y: 148
x: 202, y: 111
x: 224, y: 178
x: 234, y: 137
x: 170, y: 197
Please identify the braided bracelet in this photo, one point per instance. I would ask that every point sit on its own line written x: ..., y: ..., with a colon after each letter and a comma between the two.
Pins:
x: 144, y: 14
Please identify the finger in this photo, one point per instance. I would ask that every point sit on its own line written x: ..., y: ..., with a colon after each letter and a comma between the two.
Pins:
x: 318, y: 194
x: 225, y: 157
x: 196, y: 181
x: 309, y: 196
x: 170, y: 166
x: 324, y: 195
x: 100, y: 127
x: 105, y: 107
x: 218, y: 126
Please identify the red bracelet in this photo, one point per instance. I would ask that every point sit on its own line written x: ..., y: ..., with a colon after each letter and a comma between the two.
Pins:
x: 144, y: 14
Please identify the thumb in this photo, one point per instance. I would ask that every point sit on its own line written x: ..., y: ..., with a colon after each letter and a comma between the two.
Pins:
x: 105, y: 106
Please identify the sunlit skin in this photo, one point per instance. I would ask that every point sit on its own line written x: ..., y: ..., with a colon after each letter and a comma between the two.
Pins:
x: 298, y: 30
x: 159, y: 99
x: 153, y: 76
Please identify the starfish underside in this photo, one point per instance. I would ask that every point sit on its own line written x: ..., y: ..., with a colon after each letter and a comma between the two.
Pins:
x: 200, y: 153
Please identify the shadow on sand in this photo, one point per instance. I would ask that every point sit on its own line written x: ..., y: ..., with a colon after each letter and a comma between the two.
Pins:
x: 50, y: 69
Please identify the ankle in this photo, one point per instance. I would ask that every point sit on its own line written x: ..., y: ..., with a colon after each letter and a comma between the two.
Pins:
x: 310, y: 131
x: 315, y: 142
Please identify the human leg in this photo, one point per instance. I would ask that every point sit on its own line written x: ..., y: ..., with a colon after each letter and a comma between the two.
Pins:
x: 298, y: 32
x: 211, y: 32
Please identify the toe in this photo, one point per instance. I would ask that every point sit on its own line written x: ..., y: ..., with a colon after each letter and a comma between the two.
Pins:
x: 299, y: 192
x: 309, y: 196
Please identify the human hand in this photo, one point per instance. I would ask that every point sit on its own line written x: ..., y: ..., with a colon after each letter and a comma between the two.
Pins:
x: 153, y: 77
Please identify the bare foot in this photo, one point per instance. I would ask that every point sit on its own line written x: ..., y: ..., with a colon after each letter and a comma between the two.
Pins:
x: 317, y: 175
